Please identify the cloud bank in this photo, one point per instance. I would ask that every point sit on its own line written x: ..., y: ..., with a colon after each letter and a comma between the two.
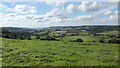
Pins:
x: 63, y: 14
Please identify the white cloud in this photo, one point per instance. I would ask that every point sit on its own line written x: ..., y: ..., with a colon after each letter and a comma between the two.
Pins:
x: 94, y: 7
x: 55, y: 12
x: 108, y: 13
x: 72, y: 8
x: 56, y: 3
x: 24, y: 9
x: 116, y: 12
x: 52, y: 15
x: 86, y: 17
x: 85, y: 7
x: 113, y: 18
x: 113, y: 0
x: 96, y: 4
x: 112, y: 13
x: 59, y: 0
x: 12, y: 14
x: 91, y: 7
x: 17, y: 20
x: 3, y: 7
x: 58, y: 16
x: 44, y: 20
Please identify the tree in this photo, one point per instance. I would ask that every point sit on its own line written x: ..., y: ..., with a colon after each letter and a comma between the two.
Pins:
x: 114, y: 41
x: 77, y: 34
x: 50, y: 38
x: 93, y: 41
x: 38, y: 37
x: 79, y: 40
x: 101, y: 41
x: 29, y: 38
x: 7, y: 35
x: 21, y: 38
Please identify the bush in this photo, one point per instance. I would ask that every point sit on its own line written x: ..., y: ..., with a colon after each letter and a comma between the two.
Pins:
x: 49, y: 38
x: 38, y: 37
x: 114, y: 41
x: 101, y: 41
x: 77, y: 40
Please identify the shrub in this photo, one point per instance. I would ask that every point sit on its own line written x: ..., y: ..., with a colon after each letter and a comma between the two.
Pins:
x: 50, y: 38
x: 38, y: 37
x: 77, y: 40
x: 101, y: 41
x: 114, y: 41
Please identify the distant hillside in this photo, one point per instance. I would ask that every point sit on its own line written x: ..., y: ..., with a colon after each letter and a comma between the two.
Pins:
x: 91, y: 28
x: 15, y: 28
x: 94, y: 28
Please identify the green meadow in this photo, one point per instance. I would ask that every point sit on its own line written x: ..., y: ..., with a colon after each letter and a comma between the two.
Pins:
x: 59, y: 53
x: 60, y: 46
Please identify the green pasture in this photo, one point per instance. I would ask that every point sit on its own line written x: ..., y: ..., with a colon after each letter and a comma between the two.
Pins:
x: 59, y: 53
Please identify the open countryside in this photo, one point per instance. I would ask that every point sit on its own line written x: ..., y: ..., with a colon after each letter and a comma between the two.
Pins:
x: 59, y: 33
x: 56, y: 47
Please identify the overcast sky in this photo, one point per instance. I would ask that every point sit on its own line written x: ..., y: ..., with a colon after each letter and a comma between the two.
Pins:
x: 45, y: 14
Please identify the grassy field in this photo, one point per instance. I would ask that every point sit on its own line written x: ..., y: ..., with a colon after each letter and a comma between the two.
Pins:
x: 59, y: 53
x: 110, y: 32
x: 85, y: 38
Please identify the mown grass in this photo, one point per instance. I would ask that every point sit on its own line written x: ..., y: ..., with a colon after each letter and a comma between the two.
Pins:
x: 59, y: 53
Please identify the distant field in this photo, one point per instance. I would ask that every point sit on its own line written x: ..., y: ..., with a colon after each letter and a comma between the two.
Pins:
x: 110, y: 32
x: 59, y: 53
x: 85, y: 38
